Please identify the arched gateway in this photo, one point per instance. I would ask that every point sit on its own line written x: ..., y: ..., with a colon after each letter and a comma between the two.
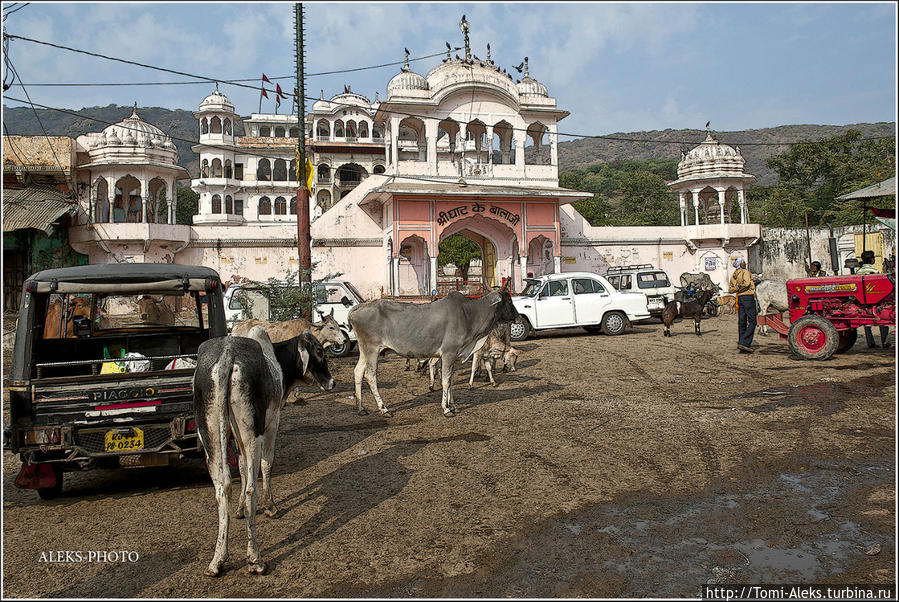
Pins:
x: 501, y: 226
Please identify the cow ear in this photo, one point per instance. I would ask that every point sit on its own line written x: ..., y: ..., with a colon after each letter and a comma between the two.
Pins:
x: 331, y: 315
x: 304, y: 357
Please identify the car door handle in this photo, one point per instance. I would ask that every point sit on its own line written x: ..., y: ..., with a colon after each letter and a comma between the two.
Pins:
x: 566, y: 299
x: 603, y: 295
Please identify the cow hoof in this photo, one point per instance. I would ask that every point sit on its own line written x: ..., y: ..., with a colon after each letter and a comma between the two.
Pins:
x: 256, y: 568
x: 362, y: 412
x: 238, y: 514
x: 470, y: 386
x: 495, y: 384
x: 213, y: 570
x: 387, y: 413
x: 449, y: 413
x: 271, y: 512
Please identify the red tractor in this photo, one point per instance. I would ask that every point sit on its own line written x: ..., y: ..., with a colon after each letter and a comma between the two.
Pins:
x: 825, y: 313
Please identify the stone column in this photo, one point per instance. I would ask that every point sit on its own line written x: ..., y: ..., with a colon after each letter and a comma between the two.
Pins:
x: 396, y: 276
x: 394, y: 143
x: 433, y: 276
x: 519, y: 156
x: 173, y: 205
x: 553, y: 146
x: 489, y: 145
x: 431, y: 136
x: 110, y: 195
x: 683, y: 209
x: 557, y: 264
x: 742, y: 198
x: 721, y: 199
x: 523, y: 262
x: 695, y: 194
x: 144, y: 194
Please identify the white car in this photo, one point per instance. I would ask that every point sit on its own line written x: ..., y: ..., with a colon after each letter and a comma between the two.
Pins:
x: 339, y: 295
x: 646, y: 280
x: 573, y: 299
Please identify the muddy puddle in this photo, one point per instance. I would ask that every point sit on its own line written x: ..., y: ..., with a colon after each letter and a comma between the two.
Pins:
x: 793, y: 528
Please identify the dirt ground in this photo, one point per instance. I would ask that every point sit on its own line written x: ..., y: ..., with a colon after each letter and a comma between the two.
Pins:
x: 635, y: 465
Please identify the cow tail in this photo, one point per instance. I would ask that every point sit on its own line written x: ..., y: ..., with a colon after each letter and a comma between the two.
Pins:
x: 218, y: 431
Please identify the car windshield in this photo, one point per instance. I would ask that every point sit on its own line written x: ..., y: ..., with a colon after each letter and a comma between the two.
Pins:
x: 532, y: 287
x: 652, y: 280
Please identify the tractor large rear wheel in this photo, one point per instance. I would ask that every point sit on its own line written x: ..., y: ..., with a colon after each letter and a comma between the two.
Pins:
x: 847, y: 340
x: 813, y: 338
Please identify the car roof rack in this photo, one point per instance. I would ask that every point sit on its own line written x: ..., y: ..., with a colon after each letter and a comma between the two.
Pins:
x: 627, y: 268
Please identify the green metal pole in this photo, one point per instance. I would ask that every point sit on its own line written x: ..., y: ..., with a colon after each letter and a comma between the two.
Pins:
x: 303, y: 235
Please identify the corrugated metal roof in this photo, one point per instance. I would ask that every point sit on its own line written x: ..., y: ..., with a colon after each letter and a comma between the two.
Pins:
x: 885, y: 188
x: 34, y: 207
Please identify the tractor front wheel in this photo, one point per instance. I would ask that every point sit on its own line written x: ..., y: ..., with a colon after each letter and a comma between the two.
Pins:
x: 813, y: 338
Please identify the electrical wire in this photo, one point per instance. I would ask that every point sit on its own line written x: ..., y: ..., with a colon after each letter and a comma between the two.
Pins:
x: 41, y: 123
x: 9, y: 12
x: 406, y: 114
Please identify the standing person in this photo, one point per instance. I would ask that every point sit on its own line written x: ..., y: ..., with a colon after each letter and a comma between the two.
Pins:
x: 867, y: 267
x: 743, y: 287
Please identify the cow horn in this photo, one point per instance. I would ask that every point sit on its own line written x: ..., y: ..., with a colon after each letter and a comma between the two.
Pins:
x: 506, y: 284
x: 331, y: 314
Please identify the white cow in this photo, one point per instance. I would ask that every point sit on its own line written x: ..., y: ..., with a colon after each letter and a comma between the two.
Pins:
x: 772, y: 298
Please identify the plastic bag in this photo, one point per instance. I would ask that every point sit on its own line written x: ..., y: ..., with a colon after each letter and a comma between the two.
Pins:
x: 135, y: 365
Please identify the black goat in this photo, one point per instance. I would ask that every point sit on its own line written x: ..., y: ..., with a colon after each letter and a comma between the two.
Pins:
x: 688, y: 309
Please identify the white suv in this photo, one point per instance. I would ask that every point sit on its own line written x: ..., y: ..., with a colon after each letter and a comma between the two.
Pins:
x: 646, y: 280
x: 574, y: 299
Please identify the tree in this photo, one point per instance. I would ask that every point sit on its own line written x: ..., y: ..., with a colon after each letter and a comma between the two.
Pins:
x: 188, y: 206
x: 812, y: 174
x: 459, y: 250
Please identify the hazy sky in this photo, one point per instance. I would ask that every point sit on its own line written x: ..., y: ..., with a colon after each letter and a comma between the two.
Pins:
x: 617, y: 67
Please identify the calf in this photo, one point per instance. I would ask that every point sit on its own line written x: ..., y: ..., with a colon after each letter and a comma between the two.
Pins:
x: 496, y: 346
x: 328, y: 331
x: 240, y: 384
x: 155, y: 311
x: 57, y: 326
x: 686, y: 309
x: 771, y: 294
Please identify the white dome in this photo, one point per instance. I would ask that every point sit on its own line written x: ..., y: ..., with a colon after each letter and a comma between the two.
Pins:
x: 321, y: 106
x: 351, y: 98
x: 711, y: 157
x: 529, y: 85
x: 406, y: 80
x: 217, y: 102
x: 134, y: 130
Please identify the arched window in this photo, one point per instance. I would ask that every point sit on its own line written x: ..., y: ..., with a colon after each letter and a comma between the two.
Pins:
x: 204, y: 126
x: 279, y: 132
x: 363, y: 129
x: 280, y: 173
x: 216, y: 168
x: 377, y: 131
x: 324, y: 173
x: 265, y: 206
x: 215, y: 126
x: 292, y: 174
x: 293, y: 206
x: 322, y: 129
x: 229, y: 204
x: 265, y: 132
x: 379, y: 169
x: 323, y: 200
x: 227, y: 126
x: 294, y: 132
x: 280, y: 206
x: 204, y: 168
x: 101, y: 201
x: 350, y: 129
x: 338, y: 129
x: 264, y: 170
x: 229, y: 173
x: 216, y: 203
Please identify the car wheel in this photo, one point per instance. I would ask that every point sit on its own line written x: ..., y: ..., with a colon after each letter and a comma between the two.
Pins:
x: 340, y: 350
x: 520, y: 329
x: 614, y: 323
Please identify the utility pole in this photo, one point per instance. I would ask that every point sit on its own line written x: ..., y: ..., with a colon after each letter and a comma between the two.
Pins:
x: 303, y: 235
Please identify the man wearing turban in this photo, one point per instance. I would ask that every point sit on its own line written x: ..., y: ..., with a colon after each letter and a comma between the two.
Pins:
x: 743, y: 287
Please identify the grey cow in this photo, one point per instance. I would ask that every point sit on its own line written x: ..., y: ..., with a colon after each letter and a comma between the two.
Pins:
x: 449, y: 328
x: 239, y: 385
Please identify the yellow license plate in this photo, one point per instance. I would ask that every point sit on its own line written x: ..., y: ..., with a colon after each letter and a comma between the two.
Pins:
x: 116, y: 441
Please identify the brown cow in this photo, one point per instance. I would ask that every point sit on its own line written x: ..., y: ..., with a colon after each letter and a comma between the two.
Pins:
x: 53, y: 325
x: 496, y: 346
x: 327, y: 332
x: 155, y: 311
x: 728, y: 303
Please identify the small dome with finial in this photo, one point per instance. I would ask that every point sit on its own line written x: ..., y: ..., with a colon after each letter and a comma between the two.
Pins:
x: 530, y: 86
